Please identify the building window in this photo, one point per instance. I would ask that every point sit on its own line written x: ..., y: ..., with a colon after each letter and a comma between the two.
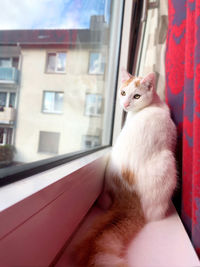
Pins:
x: 12, y: 100
x: 90, y: 141
x: 5, y: 136
x: 2, y: 136
x: 3, y: 98
x: 7, y: 99
x: 53, y: 102
x: 56, y: 62
x: 48, y: 142
x: 96, y: 63
x: 93, y: 105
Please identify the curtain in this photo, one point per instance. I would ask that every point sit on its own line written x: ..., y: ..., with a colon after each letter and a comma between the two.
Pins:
x: 183, y: 96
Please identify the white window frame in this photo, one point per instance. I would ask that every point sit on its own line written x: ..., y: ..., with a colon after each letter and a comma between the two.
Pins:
x: 13, y: 193
x: 11, y: 198
x: 8, y: 94
x: 53, y: 111
x: 56, y: 68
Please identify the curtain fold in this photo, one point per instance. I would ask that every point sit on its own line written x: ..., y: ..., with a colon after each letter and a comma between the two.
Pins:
x: 182, y: 66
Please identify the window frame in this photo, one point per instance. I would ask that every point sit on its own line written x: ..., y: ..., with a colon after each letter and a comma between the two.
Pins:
x: 16, y: 173
x: 55, y: 71
x: 8, y: 97
x: 43, y: 99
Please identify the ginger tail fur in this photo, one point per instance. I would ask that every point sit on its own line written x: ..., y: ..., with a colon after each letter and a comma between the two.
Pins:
x: 105, y: 245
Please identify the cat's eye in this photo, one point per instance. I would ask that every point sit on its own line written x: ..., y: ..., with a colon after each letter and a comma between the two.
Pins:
x: 136, y: 96
x: 123, y: 93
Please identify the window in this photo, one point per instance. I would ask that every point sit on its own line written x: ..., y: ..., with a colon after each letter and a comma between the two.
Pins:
x: 56, y: 62
x: 2, y: 136
x: 93, y: 105
x: 96, y: 63
x: 3, y: 97
x: 53, y: 102
x: 90, y: 141
x: 81, y: 41
x: 48, y: 142
x: 5, y: 136
x: 7, y: 99
x: 12, y: 100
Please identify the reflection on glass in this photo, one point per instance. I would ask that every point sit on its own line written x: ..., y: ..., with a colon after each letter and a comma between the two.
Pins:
x: 57, y: 76
x: 61, y: 60
x: 96, y: 63
x: 93, y: 105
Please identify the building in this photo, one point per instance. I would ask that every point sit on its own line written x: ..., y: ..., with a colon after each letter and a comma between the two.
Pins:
x: 52, y: 89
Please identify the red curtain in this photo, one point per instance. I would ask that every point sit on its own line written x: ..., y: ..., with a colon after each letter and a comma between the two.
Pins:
x: 183, y: 97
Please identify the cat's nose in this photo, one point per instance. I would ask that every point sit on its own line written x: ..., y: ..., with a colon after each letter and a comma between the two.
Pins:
x: 126, y: 104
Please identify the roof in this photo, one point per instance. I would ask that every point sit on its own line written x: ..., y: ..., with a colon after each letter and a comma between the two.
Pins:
x: 53, y: 37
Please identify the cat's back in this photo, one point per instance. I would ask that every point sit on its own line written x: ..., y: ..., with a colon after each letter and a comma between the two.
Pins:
x: 151, y: 128
x: 155, y: 124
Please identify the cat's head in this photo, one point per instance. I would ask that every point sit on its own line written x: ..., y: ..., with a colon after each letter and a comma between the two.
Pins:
x: 136, y: 92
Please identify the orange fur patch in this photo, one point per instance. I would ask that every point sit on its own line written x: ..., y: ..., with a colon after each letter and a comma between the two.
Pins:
x: 137, y: 83
x: 112, y: 231
x: 128, y: 176
x: 126, y: 83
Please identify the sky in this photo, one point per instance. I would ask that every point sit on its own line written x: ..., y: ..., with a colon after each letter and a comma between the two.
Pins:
x: 51, y: 14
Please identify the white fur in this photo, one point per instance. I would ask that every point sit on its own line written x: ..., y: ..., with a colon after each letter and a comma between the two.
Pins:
x: 108, y: 260
x: 145, y: 146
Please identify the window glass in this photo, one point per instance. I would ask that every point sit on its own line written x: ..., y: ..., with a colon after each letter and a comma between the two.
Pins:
x: 1, y: 136
x: 93, y: 105
x: 96, y: 63
x: 53, y: 102
x: 90, y: 141
x: 59, y: 69
x: 56, y: 62
x: 12, y: 100
x: 51, y: 62
x: 3, y: 97
x: 61, y: 60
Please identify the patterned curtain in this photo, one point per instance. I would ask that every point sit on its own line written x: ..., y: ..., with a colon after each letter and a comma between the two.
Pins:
x: 183, y: 96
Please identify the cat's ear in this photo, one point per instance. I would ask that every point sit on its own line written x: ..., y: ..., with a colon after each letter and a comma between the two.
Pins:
x: 125, y: 76
x: 149, y: 81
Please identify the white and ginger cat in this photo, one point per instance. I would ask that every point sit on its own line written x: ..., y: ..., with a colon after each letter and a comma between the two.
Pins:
x: 140, y: 176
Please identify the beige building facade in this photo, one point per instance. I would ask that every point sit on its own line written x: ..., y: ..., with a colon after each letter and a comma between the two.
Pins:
x: 60, y: 94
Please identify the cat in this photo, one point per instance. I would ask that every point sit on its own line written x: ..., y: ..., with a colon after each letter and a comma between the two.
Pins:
x: 140, y: 176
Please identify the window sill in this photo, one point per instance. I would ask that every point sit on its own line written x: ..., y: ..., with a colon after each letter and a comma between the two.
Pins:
x: 55, y: 72
x: 17, y: 191
x: 160, y: 243
x: 49, y: 207
x: 52, y: 112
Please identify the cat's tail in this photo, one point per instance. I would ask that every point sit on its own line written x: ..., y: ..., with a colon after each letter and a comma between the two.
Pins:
x: 105, y: 244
